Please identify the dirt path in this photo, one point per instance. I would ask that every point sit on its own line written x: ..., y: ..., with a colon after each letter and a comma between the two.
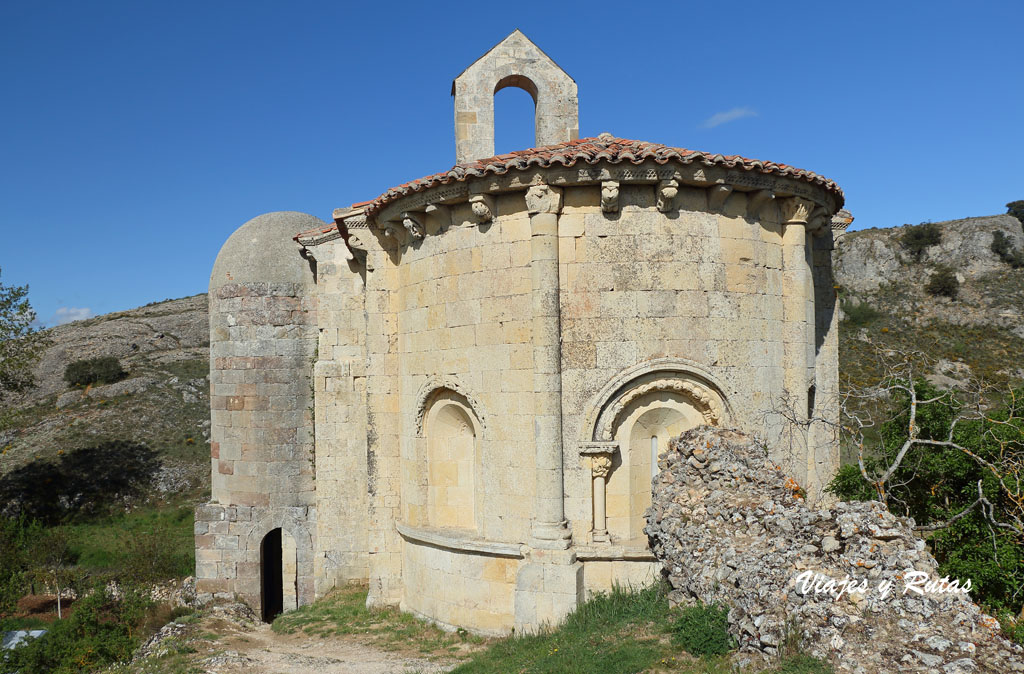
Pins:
x: 261, y: 651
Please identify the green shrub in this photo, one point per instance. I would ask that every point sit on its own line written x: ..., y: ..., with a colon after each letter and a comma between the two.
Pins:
x: 943, y: 283
x: 102, y: 370
x: 1007, y: 253
x: 1013, y: 629
x: 1016, y: 209
x: 860, y: 313
x: 933, y: 484
x: 17, y: 536
x: 918, y: 238
x: 100, y: 631
x: 703, y: 630
x: 802, y: 664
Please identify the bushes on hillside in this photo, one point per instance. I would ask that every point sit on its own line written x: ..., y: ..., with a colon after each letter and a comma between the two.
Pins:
x: 918, y: 238
x: 943, y: 283
x: 860, y: 314
x: 102, y: 370
x: 1016, y: 209
x: 100, y: 631
x: 1007, y: 253
x: 79, y: 483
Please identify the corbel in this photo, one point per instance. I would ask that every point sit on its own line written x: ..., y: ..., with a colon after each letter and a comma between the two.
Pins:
x: 483, y: 206
x: 667, y: 191
x: 717, y: 196
x: 610, y: 196
x: 756, y: 201
x: 443, y: 215
x: 414, y: 225
x: 394, y: 230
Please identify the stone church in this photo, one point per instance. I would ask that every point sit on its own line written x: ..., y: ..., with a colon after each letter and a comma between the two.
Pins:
x: 458, y: 391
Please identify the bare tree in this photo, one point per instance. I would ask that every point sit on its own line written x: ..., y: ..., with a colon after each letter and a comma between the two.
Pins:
x: 973, y: 409
x: 55, y: 558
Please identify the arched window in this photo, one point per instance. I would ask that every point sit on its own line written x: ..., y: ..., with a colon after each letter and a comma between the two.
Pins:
x: 646, y: 425
x: 452, y: 458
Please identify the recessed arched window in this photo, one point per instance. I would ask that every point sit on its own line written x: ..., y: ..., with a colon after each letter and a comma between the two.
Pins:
x: 645, y: 428
x: 452, y: 435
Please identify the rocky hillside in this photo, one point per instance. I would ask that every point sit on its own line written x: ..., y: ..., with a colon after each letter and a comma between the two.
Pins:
x: 159, y: 410
x: 885, y: 301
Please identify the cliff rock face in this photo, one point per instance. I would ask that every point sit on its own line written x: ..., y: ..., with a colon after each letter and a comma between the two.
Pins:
x: 730, y: 527
x: 885, y: 303
x: 163, y: 332
x: 868, y: 258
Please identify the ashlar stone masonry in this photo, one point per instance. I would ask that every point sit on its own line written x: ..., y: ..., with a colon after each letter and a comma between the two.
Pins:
x: 458, y: 391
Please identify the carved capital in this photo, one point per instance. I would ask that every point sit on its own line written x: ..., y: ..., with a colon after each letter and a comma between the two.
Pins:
x: 818, y: 221
x: 543, y: 199
x: 414, y: 225
x: 795, y: 210
x: 483, y: 207
x: 667, y: 191
x: 610, y: 196
x: 601, y: 465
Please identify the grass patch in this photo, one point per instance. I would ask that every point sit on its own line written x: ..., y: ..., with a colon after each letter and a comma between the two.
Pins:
x: 703, y: 630
x: 860, y: 314
x: 622, y: 631
x: 802, y: 664
x: 344, y: 612
x: 195, y: 368
x: 161, y: 539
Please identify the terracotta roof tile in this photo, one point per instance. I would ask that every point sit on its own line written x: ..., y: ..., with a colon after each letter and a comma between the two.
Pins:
x: 591, y: 151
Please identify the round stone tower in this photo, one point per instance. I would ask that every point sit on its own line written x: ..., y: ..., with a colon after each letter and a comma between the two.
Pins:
x: 262, y: 346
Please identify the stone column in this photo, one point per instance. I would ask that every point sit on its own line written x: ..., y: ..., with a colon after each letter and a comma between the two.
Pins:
x: 796, y: 296
x: 549, y: 526
x: 601, y: 455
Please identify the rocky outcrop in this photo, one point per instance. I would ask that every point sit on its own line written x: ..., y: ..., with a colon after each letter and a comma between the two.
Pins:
x: 730, y: 527
x: 164, y: 332
x: 868, y: 258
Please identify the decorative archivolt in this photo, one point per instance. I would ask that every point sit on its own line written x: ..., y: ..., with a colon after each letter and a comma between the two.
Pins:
x: 702, y: 398
x: 436, y: 386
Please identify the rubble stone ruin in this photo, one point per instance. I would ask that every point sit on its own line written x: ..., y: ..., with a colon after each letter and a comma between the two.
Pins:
x: 458, y: 391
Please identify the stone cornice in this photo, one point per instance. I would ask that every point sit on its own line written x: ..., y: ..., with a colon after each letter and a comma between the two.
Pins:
x: 719, y: 182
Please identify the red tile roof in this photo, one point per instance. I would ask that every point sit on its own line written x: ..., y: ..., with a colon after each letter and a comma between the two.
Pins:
x: 591, y: 151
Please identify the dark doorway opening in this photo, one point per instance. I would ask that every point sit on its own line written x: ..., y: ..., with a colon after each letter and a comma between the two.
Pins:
x: 272, y: 589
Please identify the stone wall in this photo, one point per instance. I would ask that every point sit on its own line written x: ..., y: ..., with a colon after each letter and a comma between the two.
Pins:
x: 729, y: 526
x: 339, y: 384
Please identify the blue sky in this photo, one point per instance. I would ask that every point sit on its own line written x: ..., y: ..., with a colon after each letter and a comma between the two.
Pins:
x: 136, y: 136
